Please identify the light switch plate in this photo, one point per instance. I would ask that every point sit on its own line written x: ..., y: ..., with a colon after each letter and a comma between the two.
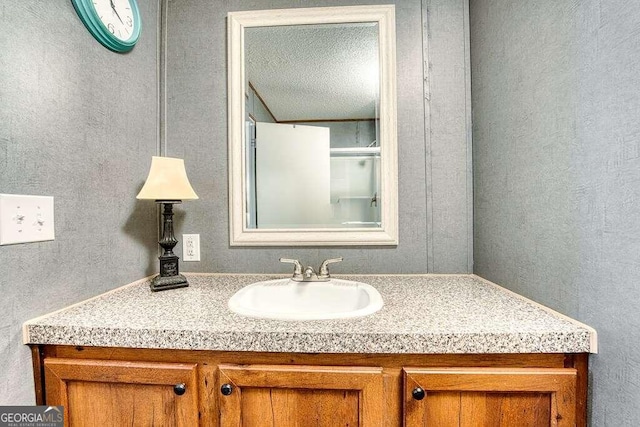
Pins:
x: 25, y: 219
x: 191, y: 247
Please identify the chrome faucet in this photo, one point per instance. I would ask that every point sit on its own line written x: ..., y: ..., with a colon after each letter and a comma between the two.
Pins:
x: 309, y: 274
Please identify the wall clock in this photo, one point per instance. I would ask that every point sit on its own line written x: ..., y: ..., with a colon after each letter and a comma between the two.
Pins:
x: 114, y: 23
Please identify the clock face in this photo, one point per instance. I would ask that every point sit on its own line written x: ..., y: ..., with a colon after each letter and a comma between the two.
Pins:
x: 114, y: 23
x: 117, y: 16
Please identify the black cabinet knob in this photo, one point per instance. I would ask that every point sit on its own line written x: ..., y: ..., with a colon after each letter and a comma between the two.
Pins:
x: 180, y: 389
x: 226, y: 389
x: 418, y: 393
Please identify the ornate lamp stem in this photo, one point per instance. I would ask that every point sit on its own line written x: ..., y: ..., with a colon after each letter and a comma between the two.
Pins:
x: 168, y: 241
x: 170, y: 277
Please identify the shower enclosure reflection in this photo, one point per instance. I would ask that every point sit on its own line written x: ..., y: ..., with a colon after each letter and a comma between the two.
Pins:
x: 301, y: 182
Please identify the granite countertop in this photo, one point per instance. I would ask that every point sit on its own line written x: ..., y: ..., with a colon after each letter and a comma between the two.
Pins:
x: 421, y: 314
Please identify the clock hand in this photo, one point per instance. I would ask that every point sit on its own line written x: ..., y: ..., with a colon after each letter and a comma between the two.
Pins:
x: 115, y: 11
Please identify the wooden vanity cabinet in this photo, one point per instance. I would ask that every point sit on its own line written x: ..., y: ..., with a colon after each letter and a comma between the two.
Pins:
x: 289, y: 396
x: 500, y: 397
x: 118, y: 393
x: 116, y: 386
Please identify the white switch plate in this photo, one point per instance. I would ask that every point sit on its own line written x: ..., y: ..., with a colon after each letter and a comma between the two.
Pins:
x: 191, y: 247
x: 25, y: 219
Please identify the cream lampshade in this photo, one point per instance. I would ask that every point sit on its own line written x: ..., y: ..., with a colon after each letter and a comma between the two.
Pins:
x: 168, y: 184
x: 167, y: 180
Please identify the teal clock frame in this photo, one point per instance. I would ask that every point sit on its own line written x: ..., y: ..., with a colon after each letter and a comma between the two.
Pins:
x: 89, y: 17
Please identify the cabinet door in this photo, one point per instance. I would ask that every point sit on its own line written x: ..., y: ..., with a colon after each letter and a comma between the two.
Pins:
x: 495, y: 397
x: 283, y: 396
x: 118, y: 393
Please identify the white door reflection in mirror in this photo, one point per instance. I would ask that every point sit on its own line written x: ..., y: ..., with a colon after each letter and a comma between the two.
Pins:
x: 292, y: 176
x: 317, y: 70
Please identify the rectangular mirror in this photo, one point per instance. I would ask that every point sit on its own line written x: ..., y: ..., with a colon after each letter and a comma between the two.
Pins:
x: 312, y: 127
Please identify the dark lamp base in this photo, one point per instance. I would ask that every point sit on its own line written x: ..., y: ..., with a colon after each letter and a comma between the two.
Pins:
x: 169, y: 277
x: 160, y: 283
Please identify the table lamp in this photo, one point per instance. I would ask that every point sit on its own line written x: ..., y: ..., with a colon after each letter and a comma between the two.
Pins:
x: 168, y: 184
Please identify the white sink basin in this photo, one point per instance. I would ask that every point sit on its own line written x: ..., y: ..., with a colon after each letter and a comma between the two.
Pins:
x: 285, y: 299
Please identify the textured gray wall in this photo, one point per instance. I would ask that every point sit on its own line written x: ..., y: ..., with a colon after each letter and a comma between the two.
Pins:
x: 556, y: 150
x: 79, y: 123
x: 434, y: 168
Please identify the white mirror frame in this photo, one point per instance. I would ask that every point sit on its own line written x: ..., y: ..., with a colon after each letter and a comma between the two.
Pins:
x: 387, y: 233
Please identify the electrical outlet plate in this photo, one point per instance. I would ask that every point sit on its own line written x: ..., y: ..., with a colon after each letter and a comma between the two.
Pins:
x: 25, y: 219
x: 191, y: 247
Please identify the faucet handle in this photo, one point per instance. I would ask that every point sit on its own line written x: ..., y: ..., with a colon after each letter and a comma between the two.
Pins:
x: 323, y: 272
x: 297, y: 269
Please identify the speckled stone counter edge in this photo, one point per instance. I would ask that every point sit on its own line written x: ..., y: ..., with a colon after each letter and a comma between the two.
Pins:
x: 580, y: 340
x: 593, y: 334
